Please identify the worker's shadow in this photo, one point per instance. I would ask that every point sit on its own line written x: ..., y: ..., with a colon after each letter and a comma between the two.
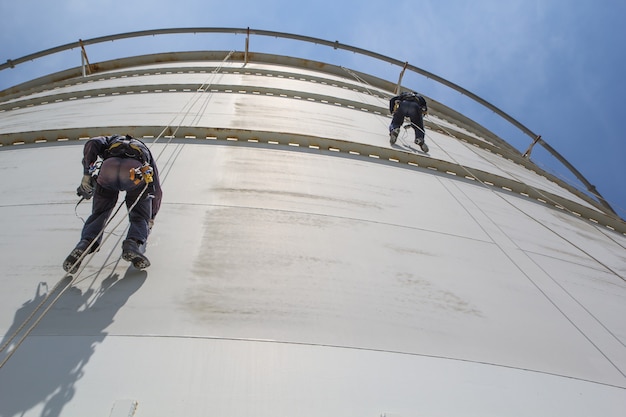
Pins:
x: 44, y: 369
x: 407, y: 147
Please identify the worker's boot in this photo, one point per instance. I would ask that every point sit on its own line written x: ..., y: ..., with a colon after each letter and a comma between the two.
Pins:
x: 73, y: 260
x: 393, y: 135
x: 422, y: 144
x: 132, y: 253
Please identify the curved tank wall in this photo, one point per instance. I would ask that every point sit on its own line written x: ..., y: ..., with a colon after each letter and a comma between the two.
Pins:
x: 301, y: 265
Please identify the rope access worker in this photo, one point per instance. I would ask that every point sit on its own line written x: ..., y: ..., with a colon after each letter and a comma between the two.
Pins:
x: 412, y: 105
x: 112, y: 164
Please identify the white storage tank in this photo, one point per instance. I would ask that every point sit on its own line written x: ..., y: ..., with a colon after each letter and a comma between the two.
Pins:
x: 301, y: 264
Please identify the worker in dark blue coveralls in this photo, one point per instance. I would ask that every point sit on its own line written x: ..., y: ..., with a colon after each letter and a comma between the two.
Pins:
x: 126, y: 165
x: 411, y: 105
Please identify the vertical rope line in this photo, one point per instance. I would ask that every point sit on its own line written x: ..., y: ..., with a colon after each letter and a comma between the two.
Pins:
x: 189, y: 105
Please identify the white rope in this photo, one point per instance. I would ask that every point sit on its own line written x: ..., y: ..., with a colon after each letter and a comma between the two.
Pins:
x: 188, y: 106
x: 74, y: 276
x: 560, y: 236
x: 499, y: 195
x: 471, y: 174
x: 538, y: 191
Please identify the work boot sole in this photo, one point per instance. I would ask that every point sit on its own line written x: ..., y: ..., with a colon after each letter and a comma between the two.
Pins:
x: 422, y: 145
x: 71, y: 260
x: 138, y: 260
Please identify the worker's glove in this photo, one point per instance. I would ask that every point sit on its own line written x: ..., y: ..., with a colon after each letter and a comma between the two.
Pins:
x: 150, y: 224
x: 85, y: 189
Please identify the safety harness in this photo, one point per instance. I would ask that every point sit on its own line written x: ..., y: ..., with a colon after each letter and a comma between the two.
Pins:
x: 129, y: 147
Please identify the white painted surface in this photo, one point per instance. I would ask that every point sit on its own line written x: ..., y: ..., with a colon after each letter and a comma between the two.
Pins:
x: 250, y: 108
x: 290, y: 281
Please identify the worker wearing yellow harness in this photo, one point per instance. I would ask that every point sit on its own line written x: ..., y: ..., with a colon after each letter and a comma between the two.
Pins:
x: 112, y: 164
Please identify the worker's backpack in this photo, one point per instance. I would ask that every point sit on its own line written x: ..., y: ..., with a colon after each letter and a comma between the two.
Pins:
x: 413, y: 96
x: 127, y: 147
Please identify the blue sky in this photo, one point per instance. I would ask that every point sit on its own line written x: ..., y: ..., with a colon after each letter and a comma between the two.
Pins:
x: 557, y: 66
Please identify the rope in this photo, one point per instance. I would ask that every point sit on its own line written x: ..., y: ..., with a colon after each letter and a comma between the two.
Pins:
x: 547, y: 274
x: 471, y: 174
x: 67, y: 274
x: 190, y: 104
x: 385, y: 99
x: 205, y: 87
x: 538, y: 191
x: 76, y: 209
